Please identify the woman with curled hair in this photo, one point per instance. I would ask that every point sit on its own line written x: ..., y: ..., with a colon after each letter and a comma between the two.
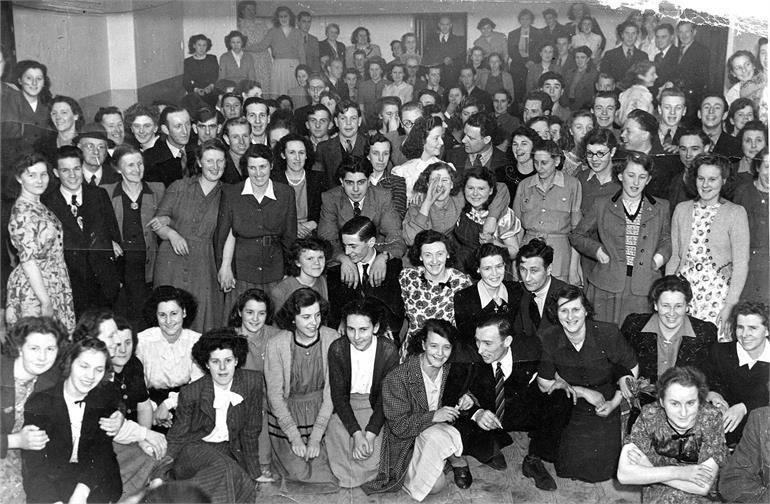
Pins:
x: 580, y: 124
x: 677, y: 445
x: 201, y: 70
x: 361, y: 40
x: 214, y: 439
x: 287, y: 45
x: 746, y: 76
x: 740, y: 112
x: 422, y: 147
x: 306, y: 267
x: 67, y: 120
x: 638, y: 81
x: 298, y: 391
x: 753, y: 138
x: 710, y: 243
x: 185, y: 222
x: 545, y: 62
x: 142, y: 126
x: 236, y: 64
x: 753, y: 196
x: 28, y: 353
x: 26, y: 110
x: 581, y: 79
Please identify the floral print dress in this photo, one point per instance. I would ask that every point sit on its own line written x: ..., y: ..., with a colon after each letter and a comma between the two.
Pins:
x: 37, y: 234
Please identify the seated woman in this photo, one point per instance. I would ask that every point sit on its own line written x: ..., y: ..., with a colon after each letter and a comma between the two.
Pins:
x: 586, y: 359
x: 418, y: 437
x: 28, y: 353
x: 306, y: 267
x: 677, y: 446
x: 738, y: 370
x: 78, y: 463
x: 358, y: 364
x: 214, y: 439
x: 297, y: 375
x: 166, y: 349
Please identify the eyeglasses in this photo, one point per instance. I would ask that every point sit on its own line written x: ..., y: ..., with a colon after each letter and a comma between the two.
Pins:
x: 93, y: 147
x: 600, y: 154
x: 407, y: 124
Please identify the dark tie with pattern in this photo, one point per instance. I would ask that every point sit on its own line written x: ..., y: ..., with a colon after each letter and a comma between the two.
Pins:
x: 534, y: 312
x: 356, y: 208
x: 74, y: 209
x: 348, y: 146
x: 93, y: 180
x: 499, y: 392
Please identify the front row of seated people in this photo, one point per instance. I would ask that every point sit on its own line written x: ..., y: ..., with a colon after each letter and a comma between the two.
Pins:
x: 340, y: 411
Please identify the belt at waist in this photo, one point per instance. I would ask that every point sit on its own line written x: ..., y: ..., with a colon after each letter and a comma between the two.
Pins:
x: 262, y: 240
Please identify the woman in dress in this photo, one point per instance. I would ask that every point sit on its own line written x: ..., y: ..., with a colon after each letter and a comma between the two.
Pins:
x: 358, y: 363
x: 422, y: 147
x: 201, y: 69
x: 330, y: 47
x: 738, y: 370
x: 677, y: 446
x: 288, y: 48
x: 586, y: 359
x: 297, y: 374
x: 491, y: 41
x: 135, y: 203
x: 496, y: 79
x: 186, y: 255
x: 142, y: 122
x: 26, y: 111
x: 429, y: 285
x: 165, y: 349
x: 710, y: 243
x: 398, y: 87
x: 40, y: 284
x: 306, y: 267
x: 236, y: 64
x: 215, y: 437
x: 585, y: 37
x: 580, y: 124
x: 545, y: 63
x: 418, y: 436
x: 361, y: 40
x: 639, y: 79
x: 78, y: 463
x: 633, y: 242
x: 746, y: 76
x: 29, y: 351
x: 753, y: 197
x: 257, y: 221
x: 67, y: 120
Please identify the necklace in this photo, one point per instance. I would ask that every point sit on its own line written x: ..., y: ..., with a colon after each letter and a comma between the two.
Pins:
x: 298, y: 182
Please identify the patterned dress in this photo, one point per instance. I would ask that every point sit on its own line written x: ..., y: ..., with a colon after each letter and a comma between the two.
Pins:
x: 11, y: 484
x: 709, y: 282
x: 254, y: 30
x: 37, y: 234
x: 663, y: 446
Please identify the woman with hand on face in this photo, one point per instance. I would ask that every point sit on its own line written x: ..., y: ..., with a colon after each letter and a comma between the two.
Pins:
x: 358, y: 363
x: 677, y: 445
x: 185, y: 221
x: 586, y: 359
x: 637, y: 83
x: 29, y: 351
x: 201, y: 69
x: 306, y: 267
x: 298, y: 391
x: 77, y: 464
x: 422, y: 148
x: 40, y: 284
x: 747, y: 77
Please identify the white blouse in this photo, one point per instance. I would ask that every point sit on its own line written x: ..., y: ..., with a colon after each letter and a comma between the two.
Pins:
x: 167, y: 365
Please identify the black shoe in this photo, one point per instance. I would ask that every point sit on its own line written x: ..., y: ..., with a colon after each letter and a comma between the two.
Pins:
x: 533, y: 467
x: 463, y: 478
x: 497, y: 462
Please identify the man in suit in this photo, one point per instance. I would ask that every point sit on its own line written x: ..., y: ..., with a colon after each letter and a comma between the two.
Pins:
x: 237, y: 132
x: 523, y: 46
x: 564, y: 59
x: 446, y: 50
x: 671, y: 110
x: 93, y: 143
x: 312, y: 52
x: 257, y: 112
x: 468, y: 79
x: 712, y: 114
x: 171, y: 159
x: 480, y: 134
x: 349, y: 142
x: 552, y: 84
x: 692, y: 142
x: 667, y: 59
x: 356, y: 197
x: 207, y: 125
x: 316, y: 84
x: 616, y: 62
x: 359, y: 236
x: 534, y: 265
x: 318, y: 124
x: 91, y: 233
x: 694, y: 62
x: 111, y: 118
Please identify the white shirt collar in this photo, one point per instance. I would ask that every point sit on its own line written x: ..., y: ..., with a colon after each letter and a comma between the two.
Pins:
x: 68, y: 194
x: 745, y: 359
x: 360, y: 203
x: 506, y: 363
x: 248, y: 190
x: 88, y: 174
x: 175, y: 151
x: 485, y: 297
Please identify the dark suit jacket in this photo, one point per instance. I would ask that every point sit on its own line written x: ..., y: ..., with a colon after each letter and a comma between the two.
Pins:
x: 614, y: 62
x: 694, y: 69
x: 196, y: 417
x: 387, y: 296
x: 231, y: 174
x: 109, y: 175
x: 88, y: 252
x: 692, y: 351
x: 316, y: 184
x: 329, y: 155
x: 385, y: 359
x: 728, y: 145
x: 336, y: 210
x: 584, y: 89
x: 523, y: 324
x: 497, y: 162
x: 468, y: 309
x: 325, y: 50
x: 435, y: 52
x: 535, y: 41
x: 312, y: 53
x: 341, y: 88
x: 482, y: 97
x: 667, y: 67
x: 161, y: 166
x: 550, y: 35
x: 48, y: 474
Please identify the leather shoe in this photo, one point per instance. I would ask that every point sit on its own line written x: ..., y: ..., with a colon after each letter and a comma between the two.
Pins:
x: 497, y: 462
x: 463, y: 478
x: 533, y: 467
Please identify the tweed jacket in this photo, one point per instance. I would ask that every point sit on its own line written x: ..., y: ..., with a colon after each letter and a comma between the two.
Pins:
x: 195, y: 417
x: 607, y: 217
x: 729, y: 243
x: 405, y: 404
x: 692, y: 351
x: 278, y: 378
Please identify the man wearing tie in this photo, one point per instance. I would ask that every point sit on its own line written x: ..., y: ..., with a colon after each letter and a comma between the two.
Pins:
x: 359, y: 236
x: 667, y: 59
x: 523, y: 45
x: 616, y: 62
x: 312, y: 55
x: 349, y: 142
x: 93, y: 143
x: 693, y: 65
x: 170, y: 160
x: 446, y: 50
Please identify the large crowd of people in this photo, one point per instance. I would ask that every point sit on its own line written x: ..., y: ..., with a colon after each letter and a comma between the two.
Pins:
x: 332, y: 270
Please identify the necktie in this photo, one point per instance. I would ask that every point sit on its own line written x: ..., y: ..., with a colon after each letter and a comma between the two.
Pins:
x: 628, y: 54
x: 681, y: 54
x: 364, y: 275
x: 443, y: 39
x: 74, y: 209
x: 306, y: 39
x: 534, y: 311
x: 348, y: 146
x: 93, y: 180
x: 658, y: 59
x: 356, y: 208
x: 183, y: 161
x: 499, y: 392
x: 477, y: 162
x: 667, y: 138
x: 524, y: 46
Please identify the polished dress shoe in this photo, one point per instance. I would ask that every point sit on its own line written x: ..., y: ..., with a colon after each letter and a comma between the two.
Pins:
x: 533, y: 467
x: 463, y: 478
x: 497, y: 462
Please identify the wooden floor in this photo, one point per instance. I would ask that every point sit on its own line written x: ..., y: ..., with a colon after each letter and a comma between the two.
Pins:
x: 489, y: 486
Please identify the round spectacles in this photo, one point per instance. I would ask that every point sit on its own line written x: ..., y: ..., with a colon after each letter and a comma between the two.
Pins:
x: 599, y: 154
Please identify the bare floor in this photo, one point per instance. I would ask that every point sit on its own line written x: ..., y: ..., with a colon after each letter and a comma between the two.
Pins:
x: 489, y: 486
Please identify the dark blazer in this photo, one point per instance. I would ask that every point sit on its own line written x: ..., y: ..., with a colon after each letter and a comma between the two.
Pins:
x: 196, y: 417
x: 468, y: 309
x: 316, y: 184
x: 535, y: 41
x: 460, y: 159
x: 161, y: 166
x: 584, y: 89
x: 387, y: 296
x: 88, y: 252
x: 385, y: 359
x: 694, y: 69
x: 341, y: 88
x: 667, y: 66
x: 336, y: 210
x: 728, y: 145
x: 523, y: 324
x: 109, y: 175
x: 692, y: 351
x: 48, y: 474
x: 231, y: 175
x: 434, y: 52
x: 607, y: 217
x: 551, y: 35
x: 614, y: 62
x: 312, y: 52
x: 329, y: 154
x: 482, y: 97
x: 325, y: 50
